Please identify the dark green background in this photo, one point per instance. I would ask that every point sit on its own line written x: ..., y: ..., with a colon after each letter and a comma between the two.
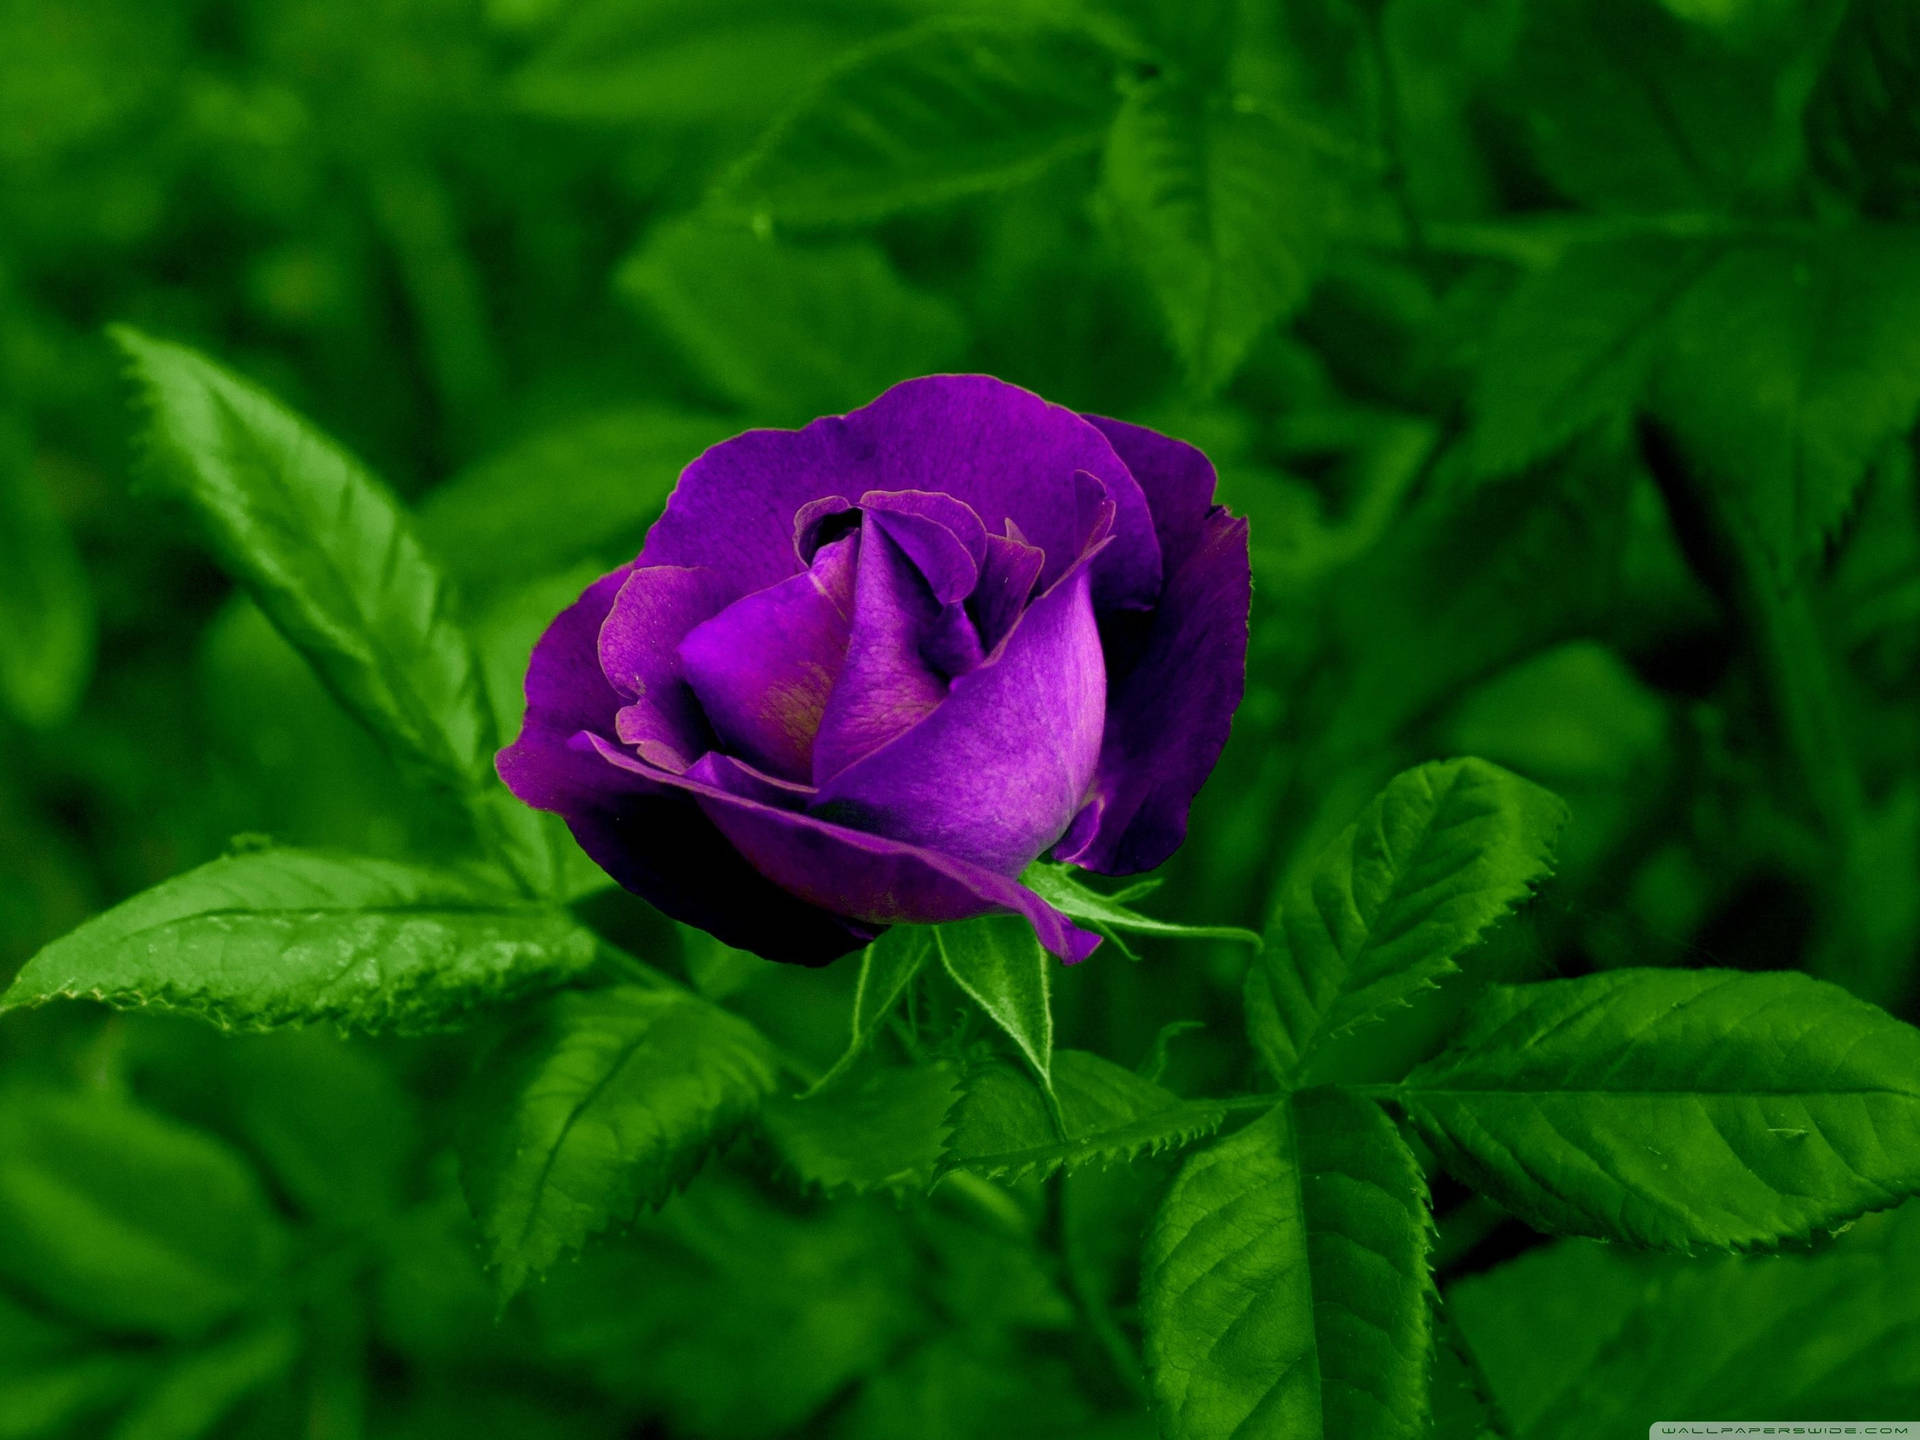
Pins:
x: 1564, y: 355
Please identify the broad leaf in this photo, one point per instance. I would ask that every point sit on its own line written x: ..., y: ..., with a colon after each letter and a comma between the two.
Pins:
x: 1057, y: 885
x: 1790, y: 366
x: 585, y: 490
x: 1572, y: 345
x: 928, y: 115
x: 886, y: 1132
x: 1384, y: 912
x: 1000, y: 964
x: 301, y: 937
x: 786, y: 331
x: 602, y: 1106
x: 1285, y: 1290
x: 1733, y: 1336
x: 1224, y: 209
x: 887, y: 967
x: 126, y: 1219
x: 1004, y: 1127
x: 326, y: 551
x: 1678, y: 1109
x: 46, y: 611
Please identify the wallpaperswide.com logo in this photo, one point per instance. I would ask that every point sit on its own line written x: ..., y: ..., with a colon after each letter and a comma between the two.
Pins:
x: 1665, y: 1428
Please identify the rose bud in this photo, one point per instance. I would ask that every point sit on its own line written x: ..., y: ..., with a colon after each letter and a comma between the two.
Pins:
x: 868, y: 671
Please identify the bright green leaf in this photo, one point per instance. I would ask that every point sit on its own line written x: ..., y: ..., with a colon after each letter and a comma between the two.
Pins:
x: 998, y: 962
x: 928, y: 115
x: 1384, y: 912
x: 886, y: 1132
x: 1225, y: 211
x: 1678, y: 1109
x: 293, y: 937
x: 1004, y: 1127
x: 128, y: 1220
x: 327, y: 553
x: 601, y: 1106
x: 1285, y: 1290
x: 887, y: 967
x: 789, y: 331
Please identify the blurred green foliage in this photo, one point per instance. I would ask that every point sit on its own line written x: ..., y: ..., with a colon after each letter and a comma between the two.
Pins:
x: 1565, y: 355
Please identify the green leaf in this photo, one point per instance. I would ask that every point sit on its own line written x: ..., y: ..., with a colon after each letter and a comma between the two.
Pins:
x: 46, y: 609
x: 1057, y: 885
x: 885, y: 1133
x: 1000, y: 964
x: 1458, y: 1405
x: 732, y: 1317
x: 1790, y: 366
x: 1832, y: 1332
x: 887, y: 967
x: 928, y: 115
x: 1573, y: 344
x: 1224, y: 209
x: 687, y: 62
x: 603, y: 1105
x: 53, y: 1376
x: 128, y: 1220
x: 1385, y: 911
x: 300, y: 937
x: 327, y: 553
x: 1004, y: 1127
x: 1285, y: 1290
x: 201, y: 1388
x: 1864, y: 137
x: 793, y: 332
x: 1632, y: 108
x: 583, y: 490
x: 1678, y: 1109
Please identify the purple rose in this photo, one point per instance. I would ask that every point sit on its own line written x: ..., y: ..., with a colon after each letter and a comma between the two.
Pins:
x: 868, y: 671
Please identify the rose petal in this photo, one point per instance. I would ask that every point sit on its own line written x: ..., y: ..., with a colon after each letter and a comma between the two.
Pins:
x: 1007, y: 576
x: 869, y: 877
x: 1171, y: 712
x: 1177, y: 479
x: 941, y: 535
x: 651, y: 839
x: 764, y: 667
x: 994, y: 774
x: 1001, y: 450
x: 888, y: 684
x: 649, y: 615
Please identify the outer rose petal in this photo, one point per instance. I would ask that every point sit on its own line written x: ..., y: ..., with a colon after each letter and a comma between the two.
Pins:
x: 654, y: 842
x: 875, y: 879
x: 996, y: 772
x: 1001, y: 449
x: 649, y: 615
x: 1171, y: 706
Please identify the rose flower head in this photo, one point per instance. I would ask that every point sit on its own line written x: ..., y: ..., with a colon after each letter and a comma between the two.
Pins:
x: 866, y: 672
